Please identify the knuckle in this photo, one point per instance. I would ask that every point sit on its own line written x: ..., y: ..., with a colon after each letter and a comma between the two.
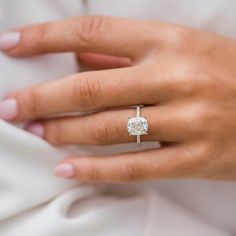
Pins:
x: 93, y: 172
x: 86, y: 92
x: 190, y: 85
x: 210, y: 116
x: 196, y: 157
x: 191, y: 159
x: 54, y: 133
x: 37, y: 36
x: 200, y: 118
x: 195, y: 82
x: 178, y: 36
x: 91, y: 28
x: 186, y: 166
x: 30, y: 104
x: 102, y: 131
x: 131, y: 172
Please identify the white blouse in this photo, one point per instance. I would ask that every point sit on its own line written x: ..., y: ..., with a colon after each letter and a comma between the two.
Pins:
x: 35, y: 203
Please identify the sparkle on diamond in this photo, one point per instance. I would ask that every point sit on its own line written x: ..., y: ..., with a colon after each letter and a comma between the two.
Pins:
x: 137, y: 126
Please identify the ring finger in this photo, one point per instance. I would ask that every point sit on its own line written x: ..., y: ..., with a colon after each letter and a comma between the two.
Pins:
x: 110, y: 127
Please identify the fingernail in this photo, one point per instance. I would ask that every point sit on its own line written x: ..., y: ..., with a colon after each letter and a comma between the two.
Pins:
x: 65, y: 171
x: 36, y: 129
x: 9, y: 40
x: 8, y: 109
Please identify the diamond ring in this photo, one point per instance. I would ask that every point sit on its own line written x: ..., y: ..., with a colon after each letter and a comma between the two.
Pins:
x: 137, y: 125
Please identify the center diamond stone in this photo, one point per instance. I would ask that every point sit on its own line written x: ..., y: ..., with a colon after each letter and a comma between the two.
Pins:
x: 137, y: 126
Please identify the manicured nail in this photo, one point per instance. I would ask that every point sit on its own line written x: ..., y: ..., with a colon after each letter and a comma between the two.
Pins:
x: 8, y: 109
x: 9, y: 40
x: 36, y: 129
x: 65, y: 171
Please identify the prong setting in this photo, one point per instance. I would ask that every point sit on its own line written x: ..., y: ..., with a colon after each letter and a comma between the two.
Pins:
x: 137, y: 126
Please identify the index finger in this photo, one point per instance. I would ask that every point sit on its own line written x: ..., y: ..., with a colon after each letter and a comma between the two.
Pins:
x: 98, y: 34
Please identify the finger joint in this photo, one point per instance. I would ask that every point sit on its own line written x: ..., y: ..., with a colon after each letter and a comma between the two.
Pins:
x: 54, y: 133
x: 86, y: 92
x: 31, y: 105
x: 90, y: 29
x: 102, y: 131
x: 131, y: 172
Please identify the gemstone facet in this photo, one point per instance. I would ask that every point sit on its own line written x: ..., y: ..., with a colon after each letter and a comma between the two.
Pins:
x: 137, y: 126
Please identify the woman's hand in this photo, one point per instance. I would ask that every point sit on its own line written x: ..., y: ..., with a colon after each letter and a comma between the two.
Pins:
x: 185, y: 78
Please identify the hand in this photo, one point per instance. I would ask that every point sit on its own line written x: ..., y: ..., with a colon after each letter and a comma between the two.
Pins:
x: 184, y: 77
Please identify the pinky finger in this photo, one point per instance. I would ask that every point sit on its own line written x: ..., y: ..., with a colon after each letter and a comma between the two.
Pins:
x: 137, y: 166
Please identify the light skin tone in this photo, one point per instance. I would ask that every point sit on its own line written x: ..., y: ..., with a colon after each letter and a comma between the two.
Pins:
x: 186, y: 79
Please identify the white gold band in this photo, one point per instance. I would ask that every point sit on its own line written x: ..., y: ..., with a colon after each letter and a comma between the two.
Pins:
x: 138, y: 114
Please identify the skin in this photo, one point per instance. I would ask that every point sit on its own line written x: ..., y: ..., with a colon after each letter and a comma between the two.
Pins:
x: 184, y: 77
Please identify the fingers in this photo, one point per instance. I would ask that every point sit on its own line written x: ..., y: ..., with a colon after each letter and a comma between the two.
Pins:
x: 98, y: 34
x: 110, y: 127
x: 102, y: 62
x: 87, y: 91
x: 170, y: 162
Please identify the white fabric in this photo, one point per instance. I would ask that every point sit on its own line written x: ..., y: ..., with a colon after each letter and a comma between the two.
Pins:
x: 35, y: 203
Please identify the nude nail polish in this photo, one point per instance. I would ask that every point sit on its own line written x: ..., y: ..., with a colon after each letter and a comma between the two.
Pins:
x: 36, y: 129
x: 65, y: 170
x: 8, y: 109
x: 9, y: 40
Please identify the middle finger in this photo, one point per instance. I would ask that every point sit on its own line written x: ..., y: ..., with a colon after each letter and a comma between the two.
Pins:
x: 88, y: 91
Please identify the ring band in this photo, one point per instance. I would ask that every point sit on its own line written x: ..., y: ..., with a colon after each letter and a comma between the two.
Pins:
x: 137, y: 125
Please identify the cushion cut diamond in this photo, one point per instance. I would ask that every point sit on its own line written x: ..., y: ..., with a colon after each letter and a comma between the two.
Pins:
x: 137, y: 126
